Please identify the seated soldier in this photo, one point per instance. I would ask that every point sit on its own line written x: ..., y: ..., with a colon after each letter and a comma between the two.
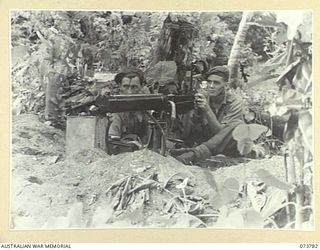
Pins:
x: 208, y: 128
x: 130, y: 126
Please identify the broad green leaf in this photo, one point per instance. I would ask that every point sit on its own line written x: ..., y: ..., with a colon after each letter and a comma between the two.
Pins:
x: 265, y: 19
x: 252, y: 219
x: 230, y: 189
x: 208, y: 176
x: 271, y: 180
x: 223, y: 213
x: 258, y: 199
x: 216, y: 200
x: 241, y: 218
x: 276, y: 110
x: 234, y: 219
x: 245, y: 146
x: 274, y: 203
x: 289, y: 70
x: 291, y: 96
x: 228, y: 192
x: 274, y: 62
x: 248, y: 131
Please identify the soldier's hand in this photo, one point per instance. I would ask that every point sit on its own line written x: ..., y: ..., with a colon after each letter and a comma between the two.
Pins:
x: 186, y: 158
x: 179, y: 151
x: 105, y: 91
x: 201, y: 101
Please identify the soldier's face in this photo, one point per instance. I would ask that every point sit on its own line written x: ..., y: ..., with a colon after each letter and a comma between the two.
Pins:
x: 130, y: 86
x: 214, y: 85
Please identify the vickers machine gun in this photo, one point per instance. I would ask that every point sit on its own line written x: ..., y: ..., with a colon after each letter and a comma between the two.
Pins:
x: 161, y: 109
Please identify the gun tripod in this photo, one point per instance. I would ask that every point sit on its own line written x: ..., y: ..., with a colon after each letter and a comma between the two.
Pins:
x: 157, y: 138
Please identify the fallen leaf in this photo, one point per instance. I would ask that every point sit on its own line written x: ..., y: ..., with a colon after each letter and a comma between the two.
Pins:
x: 183, y: 184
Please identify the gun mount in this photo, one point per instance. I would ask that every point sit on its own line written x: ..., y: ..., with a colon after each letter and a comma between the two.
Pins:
x: 164, y: 106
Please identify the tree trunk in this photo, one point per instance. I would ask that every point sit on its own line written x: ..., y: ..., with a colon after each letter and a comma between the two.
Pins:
x: 52, y: 110
x: 234, y: 58
x: 276, y: 123
x: 175, y: 44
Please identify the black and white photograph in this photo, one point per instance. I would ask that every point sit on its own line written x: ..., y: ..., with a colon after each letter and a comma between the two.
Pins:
x: 161, y: 119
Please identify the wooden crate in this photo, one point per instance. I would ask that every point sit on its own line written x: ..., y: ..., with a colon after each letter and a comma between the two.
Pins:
x: 85, y: 132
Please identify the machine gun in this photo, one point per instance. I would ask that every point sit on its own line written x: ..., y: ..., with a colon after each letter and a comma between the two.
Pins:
x: 163, y: 106
x: 156, y: 102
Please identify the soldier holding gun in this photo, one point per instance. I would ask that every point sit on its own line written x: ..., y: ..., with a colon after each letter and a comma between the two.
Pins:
x: 132, y: 125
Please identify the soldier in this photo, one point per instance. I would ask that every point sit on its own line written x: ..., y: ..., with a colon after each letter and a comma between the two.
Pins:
x: 208, y: 128
x: 130, y: 126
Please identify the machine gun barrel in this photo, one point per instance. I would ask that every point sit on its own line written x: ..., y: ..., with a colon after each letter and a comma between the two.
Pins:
x: 157, y: 102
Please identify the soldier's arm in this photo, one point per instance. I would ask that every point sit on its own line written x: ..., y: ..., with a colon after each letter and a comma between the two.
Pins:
x: 214, y: 125
x: 115, y: 129
x: 202, y: 103
x: 234, y: 111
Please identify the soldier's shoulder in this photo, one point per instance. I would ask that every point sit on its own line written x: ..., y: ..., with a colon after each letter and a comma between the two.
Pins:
x: 234, y: 97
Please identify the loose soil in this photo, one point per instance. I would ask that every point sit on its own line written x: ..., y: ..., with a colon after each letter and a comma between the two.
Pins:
x: 50, y: 190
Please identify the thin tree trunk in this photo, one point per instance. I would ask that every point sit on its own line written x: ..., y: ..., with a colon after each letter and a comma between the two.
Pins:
x: 175, y: 44
x: 52, y: 103
x: 234, y: 58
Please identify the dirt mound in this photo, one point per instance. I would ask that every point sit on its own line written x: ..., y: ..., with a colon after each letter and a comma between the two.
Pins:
x: 93, y: 189
x: 32, y: 137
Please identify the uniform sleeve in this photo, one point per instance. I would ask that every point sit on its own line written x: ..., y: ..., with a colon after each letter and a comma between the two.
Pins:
x: 116, y: 125
x: 233, y: 110
x: 187, y: 124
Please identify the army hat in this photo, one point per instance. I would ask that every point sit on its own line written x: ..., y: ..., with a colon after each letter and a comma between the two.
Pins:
x: 130, y: 73
x: 221, y: 71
